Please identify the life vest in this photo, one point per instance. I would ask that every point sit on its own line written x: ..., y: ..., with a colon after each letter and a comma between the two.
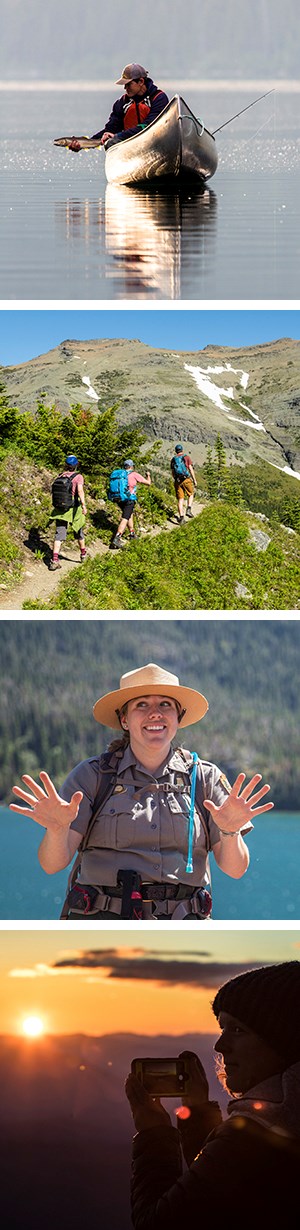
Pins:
x: 137, y: 111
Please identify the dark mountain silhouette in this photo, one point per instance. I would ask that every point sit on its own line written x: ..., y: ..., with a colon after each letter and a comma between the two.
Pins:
x: 67, y: 1128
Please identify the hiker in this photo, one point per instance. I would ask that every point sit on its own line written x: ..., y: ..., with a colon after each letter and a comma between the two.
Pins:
x: 244, y: 1171
x: 69, y: 509
x: 185, y: 481
x: 139, y: 106
x: 131, y: 811
x: 122, y: 489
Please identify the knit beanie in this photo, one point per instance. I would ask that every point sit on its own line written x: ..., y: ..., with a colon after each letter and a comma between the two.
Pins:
x: 267, y: 1000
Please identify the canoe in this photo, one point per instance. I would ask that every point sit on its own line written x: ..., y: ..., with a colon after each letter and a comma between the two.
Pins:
x: 176, y: 146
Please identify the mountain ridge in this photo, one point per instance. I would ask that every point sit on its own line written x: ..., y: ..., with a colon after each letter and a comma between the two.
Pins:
x: 251, y: 396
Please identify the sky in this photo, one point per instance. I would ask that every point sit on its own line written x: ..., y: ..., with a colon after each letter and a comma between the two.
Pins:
x: 26, y: 334
x: 81, y: 983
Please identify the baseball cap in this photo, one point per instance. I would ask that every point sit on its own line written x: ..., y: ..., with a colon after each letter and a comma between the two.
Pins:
x: 130, y: 72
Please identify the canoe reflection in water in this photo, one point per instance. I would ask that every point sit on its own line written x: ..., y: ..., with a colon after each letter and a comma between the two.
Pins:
x: 154, y: 243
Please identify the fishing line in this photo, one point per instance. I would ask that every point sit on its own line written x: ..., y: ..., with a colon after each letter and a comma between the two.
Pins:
x: 242, y: 112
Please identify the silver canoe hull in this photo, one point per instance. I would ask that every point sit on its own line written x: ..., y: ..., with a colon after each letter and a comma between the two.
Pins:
x: 175, y: 146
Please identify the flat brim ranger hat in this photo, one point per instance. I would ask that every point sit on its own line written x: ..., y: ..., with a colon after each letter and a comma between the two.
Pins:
x: 150, y: 680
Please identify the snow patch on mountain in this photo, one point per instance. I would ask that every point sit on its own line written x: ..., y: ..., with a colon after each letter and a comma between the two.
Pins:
x: 202, y: 376
x: 91, y: 392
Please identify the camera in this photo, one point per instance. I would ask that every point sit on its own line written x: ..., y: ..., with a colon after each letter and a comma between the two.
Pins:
x: 162, y: 1078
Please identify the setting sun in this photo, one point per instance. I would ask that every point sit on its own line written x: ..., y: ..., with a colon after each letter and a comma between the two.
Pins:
x: 33, y: 1027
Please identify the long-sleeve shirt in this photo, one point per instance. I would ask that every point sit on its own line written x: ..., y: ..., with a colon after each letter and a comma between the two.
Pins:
x: 243, y: 1175
x: 156, y: 99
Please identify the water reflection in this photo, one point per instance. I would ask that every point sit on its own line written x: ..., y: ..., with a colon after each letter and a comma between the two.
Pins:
x: 148, y: 235
x: 81, y: 218
x: 147, y: 241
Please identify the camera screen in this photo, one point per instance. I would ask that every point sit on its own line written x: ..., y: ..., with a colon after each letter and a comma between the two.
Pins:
x: 161, y: 1077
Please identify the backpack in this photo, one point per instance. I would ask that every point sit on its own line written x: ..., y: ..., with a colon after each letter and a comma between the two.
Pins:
x: 118, y: 489
x: 179, y: 467
x: 62, y: 492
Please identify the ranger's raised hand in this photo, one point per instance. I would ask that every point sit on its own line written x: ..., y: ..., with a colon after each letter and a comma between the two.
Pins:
x: 241, y: 805
x: 45, y: 806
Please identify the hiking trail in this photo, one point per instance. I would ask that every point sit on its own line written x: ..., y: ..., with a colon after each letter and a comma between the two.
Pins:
x: 41, y: 585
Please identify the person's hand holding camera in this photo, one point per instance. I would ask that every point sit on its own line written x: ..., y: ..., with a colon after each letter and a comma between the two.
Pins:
x: 197, y: 1086
x: 147, y: 1112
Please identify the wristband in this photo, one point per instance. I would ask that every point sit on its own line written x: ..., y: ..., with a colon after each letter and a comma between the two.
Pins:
x: 234, y: 833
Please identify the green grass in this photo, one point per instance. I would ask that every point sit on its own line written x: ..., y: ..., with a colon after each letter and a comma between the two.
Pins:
x: 196, y: 567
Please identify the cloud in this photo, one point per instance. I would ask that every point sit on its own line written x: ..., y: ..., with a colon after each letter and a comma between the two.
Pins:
x: 139, y: 966
x: 23, y: 973
x: 136, y: 965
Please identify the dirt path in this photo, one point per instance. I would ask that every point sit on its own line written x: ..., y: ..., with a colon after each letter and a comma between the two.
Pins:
x: 40, y: 585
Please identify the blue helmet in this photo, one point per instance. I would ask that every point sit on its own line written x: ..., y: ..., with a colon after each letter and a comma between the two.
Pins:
x: 71, y: 460
x: 178, y: 448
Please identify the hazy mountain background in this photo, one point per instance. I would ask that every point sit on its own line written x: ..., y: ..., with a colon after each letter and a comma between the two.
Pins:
x: 154, y: 387
x: 67, y: 1128
x: 69, y: 40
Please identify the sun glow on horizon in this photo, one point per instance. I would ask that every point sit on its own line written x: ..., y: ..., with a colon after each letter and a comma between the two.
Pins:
x: 33, y: 1027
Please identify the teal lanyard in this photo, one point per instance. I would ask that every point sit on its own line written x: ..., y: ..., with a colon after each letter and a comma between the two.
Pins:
x: 189, y: 865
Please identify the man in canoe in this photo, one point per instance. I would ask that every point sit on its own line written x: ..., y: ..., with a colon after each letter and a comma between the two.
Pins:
x: 141, y: 103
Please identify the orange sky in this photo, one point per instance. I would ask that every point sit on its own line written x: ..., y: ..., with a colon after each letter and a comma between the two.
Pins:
x: 75, y: 999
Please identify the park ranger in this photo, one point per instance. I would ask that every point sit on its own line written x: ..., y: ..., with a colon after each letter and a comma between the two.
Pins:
x: 144, y: 816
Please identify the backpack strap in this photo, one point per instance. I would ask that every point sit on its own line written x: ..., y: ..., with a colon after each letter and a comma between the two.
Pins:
x: 107, y: 773
x: 108, y: 768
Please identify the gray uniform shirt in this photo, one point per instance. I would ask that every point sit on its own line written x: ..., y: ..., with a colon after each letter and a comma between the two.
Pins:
x: 143, y: 826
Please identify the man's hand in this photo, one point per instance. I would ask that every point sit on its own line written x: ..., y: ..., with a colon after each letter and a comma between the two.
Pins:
x: 46, y: 806
x: 75, y: 146
x: 106, y: 137
x: 147, y: 1112
x: 197, y: 1092
x: 236, y: 811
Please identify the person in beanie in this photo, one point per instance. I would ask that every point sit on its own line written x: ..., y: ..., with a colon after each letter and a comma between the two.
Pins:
x: 140, y: 104
x: 243, y: 1171
x: 144, y: 830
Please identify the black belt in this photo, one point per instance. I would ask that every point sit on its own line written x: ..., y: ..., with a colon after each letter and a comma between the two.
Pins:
x: 153, y: 892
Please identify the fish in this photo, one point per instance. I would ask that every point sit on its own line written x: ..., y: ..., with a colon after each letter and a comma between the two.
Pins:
x: 84, y: 142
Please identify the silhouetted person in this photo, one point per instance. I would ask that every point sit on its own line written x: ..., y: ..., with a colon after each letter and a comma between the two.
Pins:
x: 243, y: 1172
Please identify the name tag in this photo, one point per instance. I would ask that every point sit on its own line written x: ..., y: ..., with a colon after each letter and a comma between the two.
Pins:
x: 173, y: 803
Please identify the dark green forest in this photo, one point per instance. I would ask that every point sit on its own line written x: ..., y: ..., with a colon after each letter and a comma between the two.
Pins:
x: 236, y: 39
x: 53, y: 671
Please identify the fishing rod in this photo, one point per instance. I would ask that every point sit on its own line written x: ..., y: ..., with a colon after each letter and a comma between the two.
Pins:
x: 235, y: 117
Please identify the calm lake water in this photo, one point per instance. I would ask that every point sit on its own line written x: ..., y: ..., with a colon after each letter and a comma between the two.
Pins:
x: 270, y: 889
x: 66, y: 234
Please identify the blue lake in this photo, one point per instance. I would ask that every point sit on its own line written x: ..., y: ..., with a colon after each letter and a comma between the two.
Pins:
x: 67, y: 235
x: 270, y: 889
